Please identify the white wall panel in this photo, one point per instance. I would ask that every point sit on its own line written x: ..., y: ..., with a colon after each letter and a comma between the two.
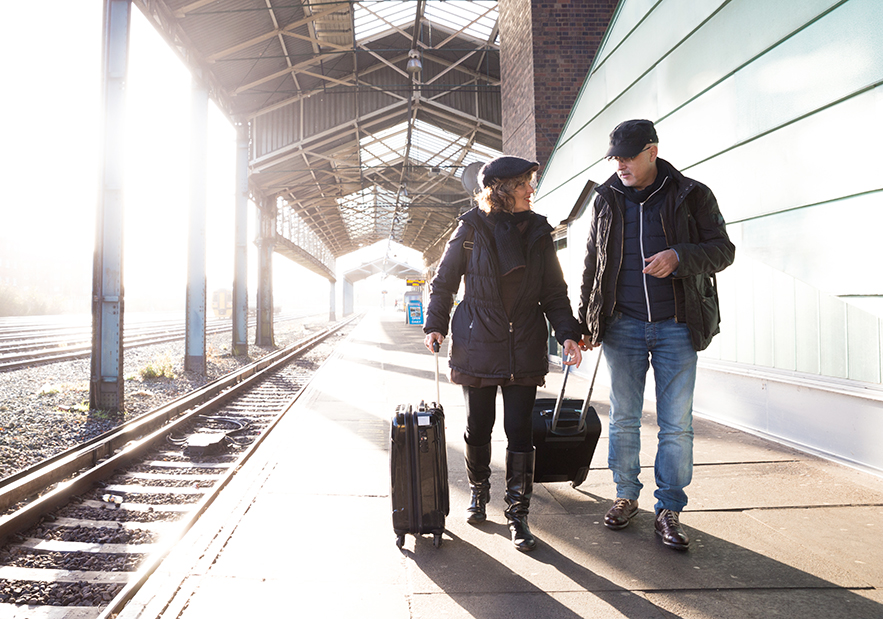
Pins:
x: 793, y: 166
x: 862, y: 345
x: 734, y: 36
x: 822, y: 245
x: 763, y: 312
x: 628, y: 16
x: 783, y: 308
x: 776, y: 106
x: 832, y: 337
x: 829, y: 418
x: 744, y: 323
x: 808, y: 328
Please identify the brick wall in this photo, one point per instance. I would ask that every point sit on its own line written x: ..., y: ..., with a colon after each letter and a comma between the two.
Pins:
x: 546, y: 50
x: 517, y: 90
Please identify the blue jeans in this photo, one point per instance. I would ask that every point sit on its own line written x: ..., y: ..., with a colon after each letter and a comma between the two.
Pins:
x: 628, y: 343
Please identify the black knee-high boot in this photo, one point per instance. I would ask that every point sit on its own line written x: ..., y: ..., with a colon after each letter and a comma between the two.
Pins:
x: 519, y: 489
x: 478, y: 471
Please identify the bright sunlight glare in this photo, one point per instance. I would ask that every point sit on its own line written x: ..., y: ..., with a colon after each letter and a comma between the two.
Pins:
x: 50, y: 165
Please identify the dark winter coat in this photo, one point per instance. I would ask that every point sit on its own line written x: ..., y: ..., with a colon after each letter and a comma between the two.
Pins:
x: 485, y: 342
x: 694, y: 228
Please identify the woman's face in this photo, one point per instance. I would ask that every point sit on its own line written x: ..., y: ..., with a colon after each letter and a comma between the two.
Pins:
x: 522, y: 194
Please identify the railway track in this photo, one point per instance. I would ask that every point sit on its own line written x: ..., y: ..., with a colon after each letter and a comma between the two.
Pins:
x: 32, y: 344
x: 85, y: 529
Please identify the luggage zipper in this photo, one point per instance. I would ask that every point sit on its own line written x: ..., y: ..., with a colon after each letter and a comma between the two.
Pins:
x: 416, y: 516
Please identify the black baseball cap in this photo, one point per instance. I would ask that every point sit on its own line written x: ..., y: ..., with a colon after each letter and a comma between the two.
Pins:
x: 630, y: 137
x: 505, y: 167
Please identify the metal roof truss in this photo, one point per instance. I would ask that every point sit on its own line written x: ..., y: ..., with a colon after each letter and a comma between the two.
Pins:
x: 347, y: 141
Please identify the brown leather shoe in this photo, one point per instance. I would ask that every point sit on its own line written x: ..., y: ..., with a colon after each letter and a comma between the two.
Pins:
x: 618, y: 516
x: 668, y: 526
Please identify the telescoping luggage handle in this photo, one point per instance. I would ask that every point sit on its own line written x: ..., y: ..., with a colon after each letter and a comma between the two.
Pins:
x: 586, y: 403
x: 435, y: 349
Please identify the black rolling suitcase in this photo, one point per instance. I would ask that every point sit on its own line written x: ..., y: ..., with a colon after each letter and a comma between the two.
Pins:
x: 418, y: 466
x: 565, y: 434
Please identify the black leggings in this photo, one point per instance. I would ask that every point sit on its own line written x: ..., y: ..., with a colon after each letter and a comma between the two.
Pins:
x: 481, y: 413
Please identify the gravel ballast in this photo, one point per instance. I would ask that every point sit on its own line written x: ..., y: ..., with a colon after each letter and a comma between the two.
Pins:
x: 44, y: 409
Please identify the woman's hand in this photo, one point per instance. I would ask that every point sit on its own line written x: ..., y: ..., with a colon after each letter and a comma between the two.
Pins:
x: 572, y: 354
x: 433, y: 337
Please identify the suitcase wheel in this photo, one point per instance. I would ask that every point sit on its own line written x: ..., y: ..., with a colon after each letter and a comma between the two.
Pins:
x: 580, y: 476
x: 400, y: 541
x: 437, y: 540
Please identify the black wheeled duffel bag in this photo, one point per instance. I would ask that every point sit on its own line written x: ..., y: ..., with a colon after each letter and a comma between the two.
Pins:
x: 418, y: 466
x: 565, y: 434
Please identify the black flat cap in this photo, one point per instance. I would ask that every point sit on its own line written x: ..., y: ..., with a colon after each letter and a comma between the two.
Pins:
x: 630, y: 137
x: 505, y: 167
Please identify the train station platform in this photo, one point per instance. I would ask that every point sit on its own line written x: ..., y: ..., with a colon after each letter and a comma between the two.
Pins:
x: 304, y: 529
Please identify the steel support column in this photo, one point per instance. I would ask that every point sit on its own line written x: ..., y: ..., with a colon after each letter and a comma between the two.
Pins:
x: 240, y: 256
x: 332, y: 303
x: 194, y: 344
x: 106, y: 381
x: 266, y: 242
x: 347, y: 297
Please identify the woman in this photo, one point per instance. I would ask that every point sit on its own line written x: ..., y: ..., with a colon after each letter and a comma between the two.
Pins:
x: 513, y: 282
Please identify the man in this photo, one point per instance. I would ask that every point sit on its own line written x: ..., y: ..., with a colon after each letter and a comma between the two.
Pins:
x: 656, y: 239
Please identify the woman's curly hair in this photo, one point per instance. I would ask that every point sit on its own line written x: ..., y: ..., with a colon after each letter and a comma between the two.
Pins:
x: 499, y: 197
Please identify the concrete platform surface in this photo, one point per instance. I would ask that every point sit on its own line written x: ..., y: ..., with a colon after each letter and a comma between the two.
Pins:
x: 304, y: 529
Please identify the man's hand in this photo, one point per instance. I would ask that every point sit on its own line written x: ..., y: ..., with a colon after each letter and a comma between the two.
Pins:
x: 662, y: 264
x: 584, y: 345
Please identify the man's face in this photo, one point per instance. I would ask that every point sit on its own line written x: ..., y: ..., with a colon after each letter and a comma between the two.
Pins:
x: 639, y: 171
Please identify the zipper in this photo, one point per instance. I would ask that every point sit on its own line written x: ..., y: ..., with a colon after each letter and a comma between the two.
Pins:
x: 530, y: 243
x: 511, y: 350
x: 641, y: 237
x: 613, y: 205
x: 643, y: 258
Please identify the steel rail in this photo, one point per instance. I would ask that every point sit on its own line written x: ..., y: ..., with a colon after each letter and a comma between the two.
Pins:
x: 147, y: 569
x: 75, y: 470
x: 20, y: 360
x: 83, y: 335
x: 84, y: 350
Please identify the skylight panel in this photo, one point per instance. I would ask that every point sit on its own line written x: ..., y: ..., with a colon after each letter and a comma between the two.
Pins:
x: 376, y: 18
x: 368, y: 198
x: 385, y: 146
x: 433, y: 146
x: 430, y: 146
x: 475, y: 19
x: 370, y: 211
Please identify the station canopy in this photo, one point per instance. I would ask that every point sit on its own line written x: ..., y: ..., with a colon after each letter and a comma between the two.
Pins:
x: 363, y: 116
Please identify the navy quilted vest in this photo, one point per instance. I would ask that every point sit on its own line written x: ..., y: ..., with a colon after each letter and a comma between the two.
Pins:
x: 638, y: 295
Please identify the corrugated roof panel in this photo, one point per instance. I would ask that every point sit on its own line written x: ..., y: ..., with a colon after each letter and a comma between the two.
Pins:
x: 325, y: 111
x: 223, y: 24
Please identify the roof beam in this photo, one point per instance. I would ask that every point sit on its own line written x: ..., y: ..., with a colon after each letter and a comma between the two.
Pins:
x: 189, y: 8
x: 266, y: 36
x: 373, y: 118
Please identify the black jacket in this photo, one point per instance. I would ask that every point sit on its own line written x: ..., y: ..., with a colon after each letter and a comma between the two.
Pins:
x: 485, y: 342
x: 694, y: 228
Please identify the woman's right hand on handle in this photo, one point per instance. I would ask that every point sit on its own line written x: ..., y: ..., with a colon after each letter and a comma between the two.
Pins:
x: 433, y: 337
